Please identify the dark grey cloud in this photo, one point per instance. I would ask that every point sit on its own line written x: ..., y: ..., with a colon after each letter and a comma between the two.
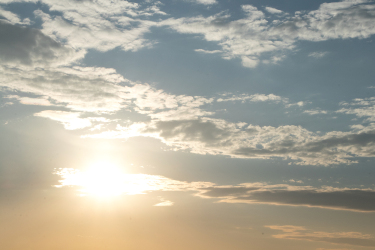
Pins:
x: 351, y: 199
x: 191, y: 130
x: 29, y: 46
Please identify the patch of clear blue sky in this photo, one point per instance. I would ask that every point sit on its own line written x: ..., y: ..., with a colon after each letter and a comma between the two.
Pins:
x: 190, y: 8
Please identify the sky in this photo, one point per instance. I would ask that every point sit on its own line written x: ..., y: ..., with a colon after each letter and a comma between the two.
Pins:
x: 187, y: 124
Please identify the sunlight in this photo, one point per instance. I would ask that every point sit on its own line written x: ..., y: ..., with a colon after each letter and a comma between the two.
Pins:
x: 104, y: 179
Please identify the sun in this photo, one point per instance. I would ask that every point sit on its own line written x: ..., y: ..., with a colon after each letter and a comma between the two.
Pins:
x: 102, y: 179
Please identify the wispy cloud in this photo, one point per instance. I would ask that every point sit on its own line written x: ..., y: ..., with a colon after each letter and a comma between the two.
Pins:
x: 358, y: 200
x: 164, y: 203
x: 259, y: 98
x: 273, y: 10
x: 341, y: 238
x: 206, y: 2
x: 315, y: 112
x: 254, y: 98
x: 360, y: 107
x: 208, y: 51
x: 318, y: 54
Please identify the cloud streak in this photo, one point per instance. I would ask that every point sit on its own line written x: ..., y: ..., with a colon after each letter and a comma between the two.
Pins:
x: 357, y: 200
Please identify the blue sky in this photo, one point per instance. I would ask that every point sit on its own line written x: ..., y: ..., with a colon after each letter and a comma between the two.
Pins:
x: 262, y: 111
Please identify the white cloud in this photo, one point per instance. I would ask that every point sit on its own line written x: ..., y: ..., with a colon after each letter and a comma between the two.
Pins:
x: 273, y: 10
x: 206, y: 2
x: 361, y: 108
x: 259, y: 98
x: 80, y: 31
x: 254, y: 98
x: 164, y: 203
x: 318, y: 54
x: 99, y: 90
x: 315, y: 112
x: 299, y: 104
x: 81, y: 89
x: 208, y: 51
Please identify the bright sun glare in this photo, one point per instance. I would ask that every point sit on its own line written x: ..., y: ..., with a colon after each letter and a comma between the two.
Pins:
x: 104, y: 179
